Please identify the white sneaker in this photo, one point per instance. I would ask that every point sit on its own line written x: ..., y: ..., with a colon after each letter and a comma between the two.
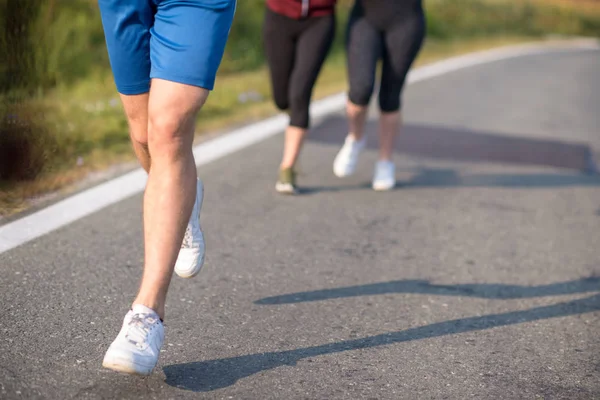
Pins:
x: 191, y: 255
x: 137, y: 347
x: 345, y: 162
x: 385, y: 175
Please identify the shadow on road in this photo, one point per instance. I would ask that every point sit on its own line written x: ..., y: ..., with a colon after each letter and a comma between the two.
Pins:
x: 464, y: 145
x: 431, y: 177
x: 204, y: 376
x: 480, y: 290
x: 428, y: 177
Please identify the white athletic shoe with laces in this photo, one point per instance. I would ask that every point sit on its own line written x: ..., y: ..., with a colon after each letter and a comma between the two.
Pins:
x: 384, y: 177
x: 345, y: 162
x: 191, y: 255
x: 137, y: 347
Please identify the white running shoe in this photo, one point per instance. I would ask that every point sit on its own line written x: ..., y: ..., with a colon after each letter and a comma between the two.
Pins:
x: 385, y: 175
x: 191, y: 255
x: 345, y: 162
x: 137, y: 347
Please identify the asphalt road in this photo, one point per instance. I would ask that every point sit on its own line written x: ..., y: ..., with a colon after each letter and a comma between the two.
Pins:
x: 478, y: 277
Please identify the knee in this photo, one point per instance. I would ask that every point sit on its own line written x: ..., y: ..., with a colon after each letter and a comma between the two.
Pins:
x: 137, y: 120
x: 168, y: 134
x: 140, y: 138
x: 281, y: 102
x: 361, y: 94
x: 280, y: 96
x: 389, y: 102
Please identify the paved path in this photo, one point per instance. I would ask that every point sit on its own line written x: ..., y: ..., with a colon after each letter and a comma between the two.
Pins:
x: 479, y: 277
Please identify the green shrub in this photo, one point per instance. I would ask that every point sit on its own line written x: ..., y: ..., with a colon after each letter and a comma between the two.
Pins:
x: 468, y: 18
x: 27, y: 146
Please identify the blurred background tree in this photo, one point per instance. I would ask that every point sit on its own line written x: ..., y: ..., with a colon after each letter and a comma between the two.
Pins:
x: 25, y: 141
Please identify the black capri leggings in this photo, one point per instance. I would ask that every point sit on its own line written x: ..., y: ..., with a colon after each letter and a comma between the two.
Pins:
x: 296, y: 50
x: 395, y: 37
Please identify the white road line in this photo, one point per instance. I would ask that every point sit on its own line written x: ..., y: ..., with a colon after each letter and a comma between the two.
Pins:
x: 87, y: 202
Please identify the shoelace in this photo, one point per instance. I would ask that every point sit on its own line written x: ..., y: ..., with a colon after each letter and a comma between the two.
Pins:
x: 139, y: 327
x: 188, y: 238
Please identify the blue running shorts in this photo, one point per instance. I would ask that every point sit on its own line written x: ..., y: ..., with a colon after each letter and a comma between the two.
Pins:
x: 176, y: 40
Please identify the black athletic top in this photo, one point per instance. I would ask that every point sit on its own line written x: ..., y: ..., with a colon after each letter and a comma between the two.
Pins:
x: 382, y: 13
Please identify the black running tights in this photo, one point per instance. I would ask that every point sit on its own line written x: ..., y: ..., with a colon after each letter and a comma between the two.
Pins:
x: 397, y: 44
x: 296, y: 50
